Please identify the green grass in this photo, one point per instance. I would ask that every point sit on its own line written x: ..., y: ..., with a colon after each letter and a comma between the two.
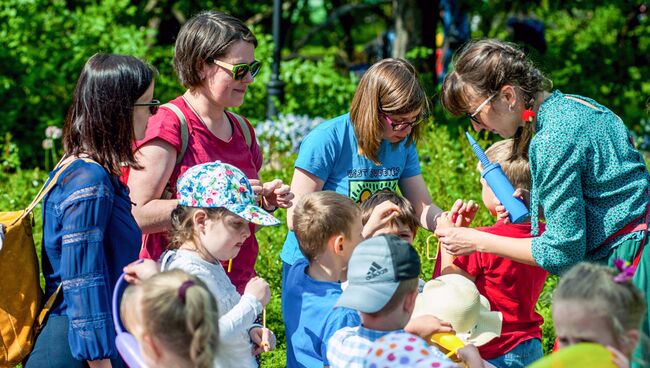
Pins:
x: 449, y: 168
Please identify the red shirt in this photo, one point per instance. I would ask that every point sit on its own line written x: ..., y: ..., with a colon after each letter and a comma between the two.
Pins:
x: 202, y: 147
x: 512, y: 289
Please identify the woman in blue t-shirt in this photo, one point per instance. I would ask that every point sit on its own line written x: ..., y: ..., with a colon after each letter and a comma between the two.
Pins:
x: 89, y: 234
x: 370, y: 149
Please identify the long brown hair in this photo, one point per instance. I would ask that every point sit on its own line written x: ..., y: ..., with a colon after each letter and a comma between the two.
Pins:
x: 392, y: 86
x: 482, y: 67
x: 100, y: 120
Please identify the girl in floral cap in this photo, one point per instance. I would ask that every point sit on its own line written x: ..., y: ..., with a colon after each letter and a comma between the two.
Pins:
x: 209, y: 225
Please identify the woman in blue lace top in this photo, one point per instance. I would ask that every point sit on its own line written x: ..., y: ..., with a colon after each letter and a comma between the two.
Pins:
x: 89, y: 234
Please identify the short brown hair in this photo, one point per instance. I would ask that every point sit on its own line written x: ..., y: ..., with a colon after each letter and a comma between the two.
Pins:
x: 406, y: 215
x: 319, y: 216
x: 204, y: 38
x: 516, y: 169
x: 405, y: 287
x: 392, y: 86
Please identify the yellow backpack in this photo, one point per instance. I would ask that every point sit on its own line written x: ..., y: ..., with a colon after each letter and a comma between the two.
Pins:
x: 21, y: 311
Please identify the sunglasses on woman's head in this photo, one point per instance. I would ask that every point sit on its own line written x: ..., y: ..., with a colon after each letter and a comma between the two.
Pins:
x: 153, y: 106
x: 239, y: 71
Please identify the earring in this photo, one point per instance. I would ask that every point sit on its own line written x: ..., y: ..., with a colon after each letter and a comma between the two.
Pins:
x: 511, y: 108
x: 527, y: 116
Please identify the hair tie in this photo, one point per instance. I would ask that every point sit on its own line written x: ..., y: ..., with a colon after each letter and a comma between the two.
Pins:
x: 183, y: 288
x: 626, y: 271
x: 528, y: 115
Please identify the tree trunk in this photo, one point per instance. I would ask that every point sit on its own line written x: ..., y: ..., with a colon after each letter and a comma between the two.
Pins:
x: 416, y: 22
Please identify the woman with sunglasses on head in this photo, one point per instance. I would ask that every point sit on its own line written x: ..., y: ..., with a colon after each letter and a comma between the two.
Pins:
x: 89, y: 233
x: 588, y: 180
x: 215, y: 60
x: 370, y: 149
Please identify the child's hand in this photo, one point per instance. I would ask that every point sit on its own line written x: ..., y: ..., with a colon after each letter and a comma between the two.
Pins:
x: 444, y: 220
x: 520, y: 193
x: 462, y: 213
x: 263, y: 338
x: 618, y: 358
x: 259, y: 288
x: 140, y: 270
x: 470, y: 356
x: 379, y: 217
x: 427, y: 325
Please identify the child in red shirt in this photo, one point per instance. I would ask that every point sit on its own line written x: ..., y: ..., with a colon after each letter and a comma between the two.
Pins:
x: 511, y: 287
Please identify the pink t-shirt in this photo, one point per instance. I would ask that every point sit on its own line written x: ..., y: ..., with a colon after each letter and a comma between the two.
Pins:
x: 203, y: 146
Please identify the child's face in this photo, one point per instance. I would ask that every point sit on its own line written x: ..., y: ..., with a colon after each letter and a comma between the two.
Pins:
x: 224, y: 237
x: 489, y: 199
x: 576, y: 322
x: 397, y: 228
x: 351, y: 242
x: 132, y: 320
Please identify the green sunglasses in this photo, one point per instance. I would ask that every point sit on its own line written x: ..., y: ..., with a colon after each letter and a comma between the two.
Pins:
x: 239, y: 71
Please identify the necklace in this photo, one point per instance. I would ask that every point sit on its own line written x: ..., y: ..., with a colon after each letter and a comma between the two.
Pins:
x: 201, y: 119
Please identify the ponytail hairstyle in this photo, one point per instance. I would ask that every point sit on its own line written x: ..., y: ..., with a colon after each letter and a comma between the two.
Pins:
x: 598, y: 287
x: 482, y: 68
x: 180, y: 312
x: 392, y: 87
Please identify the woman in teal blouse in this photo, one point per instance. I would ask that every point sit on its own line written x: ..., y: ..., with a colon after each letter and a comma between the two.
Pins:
x: 588, y: 179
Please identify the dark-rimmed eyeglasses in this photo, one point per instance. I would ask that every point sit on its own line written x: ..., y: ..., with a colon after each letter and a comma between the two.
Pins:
x: 239, y: 71
x: 401, y: 125
x: 480, y: 107
x: 153, y: 106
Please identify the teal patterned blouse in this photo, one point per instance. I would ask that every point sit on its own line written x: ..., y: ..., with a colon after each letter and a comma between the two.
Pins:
x: 587, y: 177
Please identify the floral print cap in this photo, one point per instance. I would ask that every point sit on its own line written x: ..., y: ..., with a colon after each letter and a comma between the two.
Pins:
x: 216, y: 184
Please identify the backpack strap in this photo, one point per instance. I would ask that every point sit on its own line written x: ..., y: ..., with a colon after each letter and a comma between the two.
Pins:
x: 46, y: 308
x: 245, y: 129
x: 47, y: 186
x: 184, y: 129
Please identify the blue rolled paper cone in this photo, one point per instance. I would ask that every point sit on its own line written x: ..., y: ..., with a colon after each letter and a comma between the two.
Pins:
x: 500, y: 185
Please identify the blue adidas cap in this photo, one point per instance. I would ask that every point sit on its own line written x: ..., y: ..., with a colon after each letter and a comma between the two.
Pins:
x: 376, y: 268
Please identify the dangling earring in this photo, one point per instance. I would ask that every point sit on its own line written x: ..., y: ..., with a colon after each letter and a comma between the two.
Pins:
x: 510, y: 108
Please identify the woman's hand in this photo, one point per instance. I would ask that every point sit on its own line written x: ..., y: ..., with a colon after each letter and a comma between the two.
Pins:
x: 263, y: 338
x: 273, y: 194
x: 140, y: 270
x: 457, y: 241
x: 462, y: 213
x: 379, y: 217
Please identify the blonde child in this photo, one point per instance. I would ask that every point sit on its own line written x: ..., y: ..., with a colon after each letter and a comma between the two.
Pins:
x: 328, y: 227
x: 595, y: 303
x: 512, y: 288
x: 173, y: 317
x: 210, y: 224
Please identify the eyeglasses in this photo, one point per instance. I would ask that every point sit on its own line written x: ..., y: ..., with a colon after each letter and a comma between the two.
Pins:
x: 239, y: 71
x: 401, y: 125
x: 153, y: 106
x: 479, y: 108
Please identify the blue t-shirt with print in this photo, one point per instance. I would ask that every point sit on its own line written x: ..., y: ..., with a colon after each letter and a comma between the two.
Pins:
x: 330, y: 152
x: 310, y: 318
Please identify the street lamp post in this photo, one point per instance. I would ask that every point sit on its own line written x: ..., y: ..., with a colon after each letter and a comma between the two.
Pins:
x: 275, y: 87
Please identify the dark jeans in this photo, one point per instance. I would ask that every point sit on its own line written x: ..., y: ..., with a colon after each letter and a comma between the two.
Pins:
x: 52, y: 349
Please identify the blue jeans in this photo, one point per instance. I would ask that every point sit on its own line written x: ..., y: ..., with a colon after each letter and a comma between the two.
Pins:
x: 52, y: 350
x: 521, y: 356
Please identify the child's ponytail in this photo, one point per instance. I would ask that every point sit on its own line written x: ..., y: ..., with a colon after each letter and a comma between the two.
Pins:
x: 202, y: 325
